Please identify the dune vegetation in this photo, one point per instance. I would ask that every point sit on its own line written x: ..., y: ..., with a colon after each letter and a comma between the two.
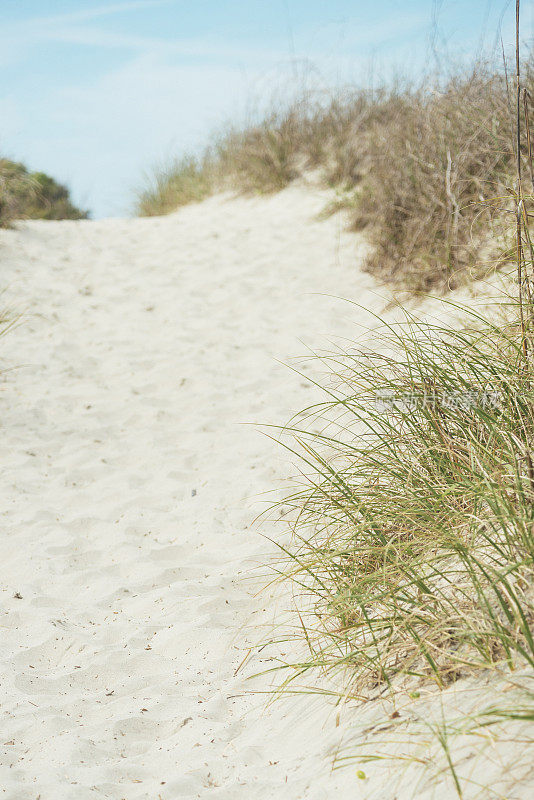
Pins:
x: 413, y: 544
x: 412, y: 518
x: 411, y: 557
x: 32, y: 195
x: 424, y: 169
x: 186, y: 180
x: 414, y: 526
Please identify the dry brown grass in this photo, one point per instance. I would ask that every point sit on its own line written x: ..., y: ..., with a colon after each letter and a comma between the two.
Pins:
x: 423, y: 169
x: 434, y: 193
x: 413, y: 551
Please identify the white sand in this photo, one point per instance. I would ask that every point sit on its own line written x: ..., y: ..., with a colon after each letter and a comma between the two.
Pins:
x: 146, y: 344
x: 130, y: 487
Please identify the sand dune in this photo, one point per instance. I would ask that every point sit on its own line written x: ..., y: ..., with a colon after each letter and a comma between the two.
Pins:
x: 130, y: 485
x: 130, y: 568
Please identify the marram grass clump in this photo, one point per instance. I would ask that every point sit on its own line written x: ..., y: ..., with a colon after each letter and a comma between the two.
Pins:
x: 413, y: 530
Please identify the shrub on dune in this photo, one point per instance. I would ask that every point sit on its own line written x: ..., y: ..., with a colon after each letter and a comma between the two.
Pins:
x: 33, y: 195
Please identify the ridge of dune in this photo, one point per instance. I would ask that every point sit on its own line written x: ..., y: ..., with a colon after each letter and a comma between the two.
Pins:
x: 128, y: 584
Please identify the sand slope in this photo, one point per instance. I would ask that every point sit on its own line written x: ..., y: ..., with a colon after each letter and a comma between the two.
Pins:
x: 130, y: 558
x: 130, y: 486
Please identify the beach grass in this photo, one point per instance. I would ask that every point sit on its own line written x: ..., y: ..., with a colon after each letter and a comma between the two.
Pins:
x: 423, y: 168
x: 174, y: 184
x: 413, y: 543
x: 411, y: 555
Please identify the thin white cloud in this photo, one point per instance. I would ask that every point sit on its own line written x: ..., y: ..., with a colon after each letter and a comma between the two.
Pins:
x: 17, y: 38
x: 94, y: 13
x: 312, y: 43
x: 91, y: 37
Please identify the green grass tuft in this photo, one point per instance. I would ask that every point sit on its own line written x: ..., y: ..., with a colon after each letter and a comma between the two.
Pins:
x: 183, y: 181
x: 413, y: 543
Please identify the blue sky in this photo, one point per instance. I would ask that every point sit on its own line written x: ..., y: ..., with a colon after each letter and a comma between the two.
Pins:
x: 95, y: 92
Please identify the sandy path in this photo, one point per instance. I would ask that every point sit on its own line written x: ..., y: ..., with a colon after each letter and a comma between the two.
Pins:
x: 129, y: 488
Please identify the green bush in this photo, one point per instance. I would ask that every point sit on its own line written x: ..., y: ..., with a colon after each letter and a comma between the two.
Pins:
x: 32, y: 195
